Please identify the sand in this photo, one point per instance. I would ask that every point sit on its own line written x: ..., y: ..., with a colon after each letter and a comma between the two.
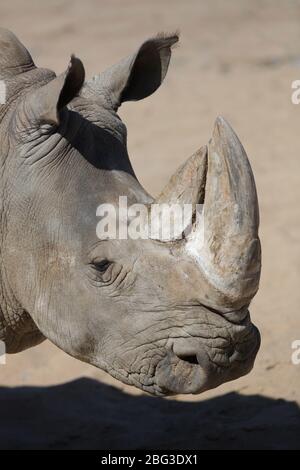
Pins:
x: 236, y: 58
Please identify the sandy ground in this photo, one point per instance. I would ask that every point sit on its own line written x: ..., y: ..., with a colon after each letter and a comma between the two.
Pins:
x: 236, y: 58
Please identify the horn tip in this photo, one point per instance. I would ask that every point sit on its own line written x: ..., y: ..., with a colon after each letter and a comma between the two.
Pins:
x: 221, y: 123
x: 223, y: 130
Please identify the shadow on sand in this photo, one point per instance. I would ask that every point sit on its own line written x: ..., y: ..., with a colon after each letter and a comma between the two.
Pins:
x: 86, y: 414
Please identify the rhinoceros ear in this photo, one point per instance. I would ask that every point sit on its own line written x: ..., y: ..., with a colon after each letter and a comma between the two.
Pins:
x: 136, y: 76
x: 44, y: 104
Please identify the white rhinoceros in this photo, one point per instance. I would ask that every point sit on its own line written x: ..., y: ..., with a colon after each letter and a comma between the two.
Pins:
x: 167, y: 316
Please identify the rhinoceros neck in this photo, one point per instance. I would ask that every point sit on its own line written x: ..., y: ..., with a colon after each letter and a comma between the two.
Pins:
x: 17, y: 329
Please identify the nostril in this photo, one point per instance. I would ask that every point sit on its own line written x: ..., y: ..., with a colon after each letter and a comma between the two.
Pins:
x: 190, y: 358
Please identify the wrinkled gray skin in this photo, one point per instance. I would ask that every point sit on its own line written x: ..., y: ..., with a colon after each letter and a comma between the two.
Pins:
x: 162, y: 316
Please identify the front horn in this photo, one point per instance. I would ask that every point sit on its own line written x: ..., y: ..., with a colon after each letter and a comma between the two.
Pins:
x: 229, y: 255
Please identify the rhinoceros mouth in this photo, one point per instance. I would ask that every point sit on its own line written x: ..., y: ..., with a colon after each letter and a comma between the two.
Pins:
x: 198, y: 358
x: 209, y: 365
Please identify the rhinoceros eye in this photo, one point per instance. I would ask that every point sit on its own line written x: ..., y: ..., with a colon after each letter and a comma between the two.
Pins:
x: 102, y: 266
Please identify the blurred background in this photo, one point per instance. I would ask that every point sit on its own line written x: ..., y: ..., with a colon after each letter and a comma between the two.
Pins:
x: 237, y: 58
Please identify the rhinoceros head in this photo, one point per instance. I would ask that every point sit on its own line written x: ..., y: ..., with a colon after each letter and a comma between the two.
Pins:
x: 166, y: 315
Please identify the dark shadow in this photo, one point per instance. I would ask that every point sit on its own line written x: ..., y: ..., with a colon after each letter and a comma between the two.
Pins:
x: 99, y: 145
x: 86, y: 414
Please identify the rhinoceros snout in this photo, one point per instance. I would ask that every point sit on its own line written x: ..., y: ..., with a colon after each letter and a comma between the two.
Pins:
x: 194, y: 365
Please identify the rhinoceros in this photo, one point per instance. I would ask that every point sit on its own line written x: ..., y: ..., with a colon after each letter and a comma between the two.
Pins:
x: 166, y: 316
